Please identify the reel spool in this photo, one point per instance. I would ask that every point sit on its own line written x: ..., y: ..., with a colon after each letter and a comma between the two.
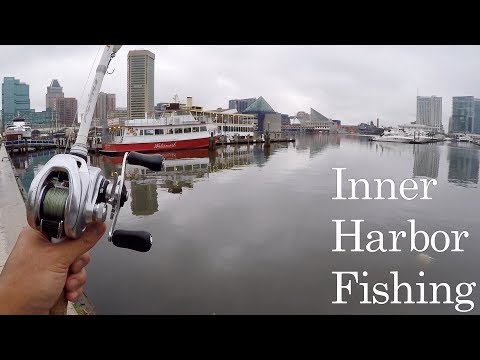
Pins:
x: 52, y: 211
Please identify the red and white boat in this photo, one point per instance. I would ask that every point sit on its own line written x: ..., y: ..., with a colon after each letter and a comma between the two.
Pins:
x: 173, y: 130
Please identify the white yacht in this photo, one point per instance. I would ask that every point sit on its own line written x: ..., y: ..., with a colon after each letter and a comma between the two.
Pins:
x: 394, y: 135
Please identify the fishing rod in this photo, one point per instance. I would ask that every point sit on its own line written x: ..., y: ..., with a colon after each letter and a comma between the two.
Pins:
x: 67, y: 194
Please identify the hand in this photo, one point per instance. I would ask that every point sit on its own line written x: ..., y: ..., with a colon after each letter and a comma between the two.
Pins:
x: 36, y: 270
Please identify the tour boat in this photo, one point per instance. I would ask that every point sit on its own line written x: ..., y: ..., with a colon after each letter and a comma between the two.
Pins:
x: 173, y: 130
x: 18, y: 129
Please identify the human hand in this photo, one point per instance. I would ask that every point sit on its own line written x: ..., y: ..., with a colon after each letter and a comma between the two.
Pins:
x: 37, y: 270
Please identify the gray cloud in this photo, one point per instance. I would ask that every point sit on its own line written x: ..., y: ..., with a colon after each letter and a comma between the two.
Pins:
x: 352, y: 83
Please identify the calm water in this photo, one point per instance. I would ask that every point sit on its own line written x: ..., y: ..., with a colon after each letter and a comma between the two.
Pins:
x: 251, y: 231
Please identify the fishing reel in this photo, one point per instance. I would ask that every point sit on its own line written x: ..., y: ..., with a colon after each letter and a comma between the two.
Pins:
x: 67, y: 194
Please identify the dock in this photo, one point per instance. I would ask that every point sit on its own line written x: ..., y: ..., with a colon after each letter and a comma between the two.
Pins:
x: 12, y: 211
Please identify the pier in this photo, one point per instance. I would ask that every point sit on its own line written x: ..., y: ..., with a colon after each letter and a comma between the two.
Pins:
x: 24, y: 145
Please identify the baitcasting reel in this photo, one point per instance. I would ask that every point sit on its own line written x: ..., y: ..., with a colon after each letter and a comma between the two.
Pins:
x: 67, y: 194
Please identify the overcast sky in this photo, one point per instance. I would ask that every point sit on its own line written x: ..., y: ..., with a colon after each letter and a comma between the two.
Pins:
x: 352, y: 83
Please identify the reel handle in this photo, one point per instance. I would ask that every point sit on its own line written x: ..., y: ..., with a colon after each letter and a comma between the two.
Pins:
x: 152, y: 162
x: 132, y: 239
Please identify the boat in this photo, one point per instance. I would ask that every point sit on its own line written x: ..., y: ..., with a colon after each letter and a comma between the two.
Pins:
x: 461, y: 138
x: 172, y: 130
x: 394, y: 135
x: 18, y: 129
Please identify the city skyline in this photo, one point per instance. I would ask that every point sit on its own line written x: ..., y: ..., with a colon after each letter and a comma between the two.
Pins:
x: 352, y: 83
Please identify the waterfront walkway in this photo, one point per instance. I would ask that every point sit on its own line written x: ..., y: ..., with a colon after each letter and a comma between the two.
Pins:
x: 12, y: 211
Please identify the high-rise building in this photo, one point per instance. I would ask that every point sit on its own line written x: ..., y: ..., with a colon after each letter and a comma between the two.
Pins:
x: 476, y: 117
x: 429, y: 111
x: 463, y: 114
x: 105, y: 105
x: 140, y: 83
x: 111, y: 102
x: 66, y: 110
x: 53, y: 91
x: 15, y: 98
x: 240, y: 104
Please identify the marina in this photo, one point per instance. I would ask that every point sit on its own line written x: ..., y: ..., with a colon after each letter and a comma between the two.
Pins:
x: 236, y: 205
x: 245, y: 229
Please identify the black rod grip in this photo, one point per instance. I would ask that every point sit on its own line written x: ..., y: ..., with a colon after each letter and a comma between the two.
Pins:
x: 133, y: 240
x: 153, y: 162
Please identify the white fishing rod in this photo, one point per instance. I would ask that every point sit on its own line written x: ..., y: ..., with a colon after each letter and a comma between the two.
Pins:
x: 67, y: 194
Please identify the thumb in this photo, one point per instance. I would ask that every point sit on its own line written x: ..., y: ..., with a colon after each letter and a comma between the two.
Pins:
x: 70, y: 249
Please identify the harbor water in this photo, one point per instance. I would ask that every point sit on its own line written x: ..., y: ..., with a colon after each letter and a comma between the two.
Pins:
x: 249, y: 229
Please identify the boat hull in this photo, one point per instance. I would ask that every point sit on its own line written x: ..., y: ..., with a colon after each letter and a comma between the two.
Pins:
x: 114, y: 148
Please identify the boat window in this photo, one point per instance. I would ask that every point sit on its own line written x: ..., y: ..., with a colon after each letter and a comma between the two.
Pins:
x: 141, y: 132
x: 195, y: 129
x: 219, y: 128
x: 187, y: 167
x: 187, y: 130
x: 169, y: 131
x: 178, y: 131
x: 149, y: 132
x: 203, y: 128
x: 169, y: 168
x: 158, y: 131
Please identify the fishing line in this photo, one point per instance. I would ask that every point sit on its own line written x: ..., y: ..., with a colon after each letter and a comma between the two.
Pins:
x: 54, y: 203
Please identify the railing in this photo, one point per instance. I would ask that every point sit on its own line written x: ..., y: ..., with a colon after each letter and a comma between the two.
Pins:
x: 29, y: 142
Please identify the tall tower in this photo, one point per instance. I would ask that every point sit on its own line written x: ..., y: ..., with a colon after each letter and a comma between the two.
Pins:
x: 463, y: 114
x: 141, y: 76
x: 53, y: 91
x: 429, y: 111
x: 15, y: 99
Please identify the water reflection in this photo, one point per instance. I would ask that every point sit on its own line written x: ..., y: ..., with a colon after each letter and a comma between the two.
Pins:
x: 235, y: 243
x: 180, y: 171
x: 426, y: 160
x: 463, y: 165
x: 144, y: 198
x: 28, y: 165
x: 316, y: 143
